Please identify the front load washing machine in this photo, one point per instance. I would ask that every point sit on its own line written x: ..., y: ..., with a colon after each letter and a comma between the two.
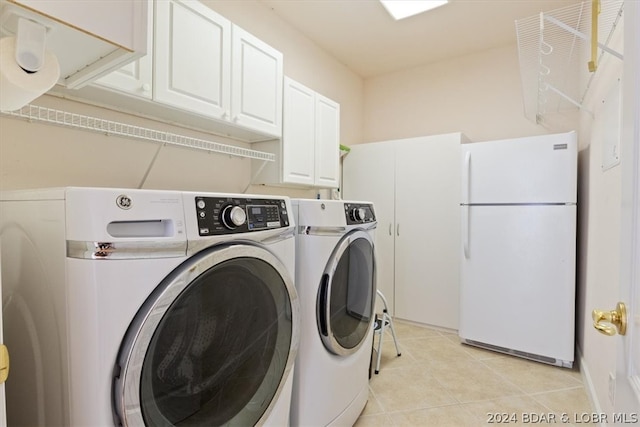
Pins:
x: 148, y: 308
x: 335, y: 279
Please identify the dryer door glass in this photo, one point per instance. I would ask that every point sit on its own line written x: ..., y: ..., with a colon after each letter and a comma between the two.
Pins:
x: 221, y: 347
x: 346, y: 295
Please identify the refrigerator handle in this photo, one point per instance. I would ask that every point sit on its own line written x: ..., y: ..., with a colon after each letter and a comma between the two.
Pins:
x: 466, y: 177
x: 390, y: 229
x: 465, y: 230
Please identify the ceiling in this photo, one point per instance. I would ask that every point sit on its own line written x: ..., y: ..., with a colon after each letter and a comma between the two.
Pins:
x: 364, y: 37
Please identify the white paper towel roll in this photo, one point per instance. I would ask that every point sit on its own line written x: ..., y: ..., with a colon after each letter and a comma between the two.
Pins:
x: 17, y: 87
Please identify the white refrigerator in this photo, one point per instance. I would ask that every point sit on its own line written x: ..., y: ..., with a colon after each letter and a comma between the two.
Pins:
x: 518, y: 212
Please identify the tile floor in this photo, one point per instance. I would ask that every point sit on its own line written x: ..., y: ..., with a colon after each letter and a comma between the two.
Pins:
x: 439, y: 382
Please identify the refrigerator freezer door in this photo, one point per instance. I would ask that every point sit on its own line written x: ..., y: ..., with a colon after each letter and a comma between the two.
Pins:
x: 518, y: 280
x: 541, y: 169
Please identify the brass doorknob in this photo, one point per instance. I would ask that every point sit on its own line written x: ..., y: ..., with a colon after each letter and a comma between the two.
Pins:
x: 607, y: 322
x: 4, y: 363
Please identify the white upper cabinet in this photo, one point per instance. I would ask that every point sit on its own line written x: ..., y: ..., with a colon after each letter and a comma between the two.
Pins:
x: 135, y: 78
x: 327, y: 142
x: 202, y: 71
x: 298, y: 143
x: 192, y: 58
x: 207, y: 65
x: 89, y: 38
x: 309, y: 152
x: 256, y: 83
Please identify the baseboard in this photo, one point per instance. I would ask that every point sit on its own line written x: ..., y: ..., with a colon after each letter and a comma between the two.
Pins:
x: 588, y: 385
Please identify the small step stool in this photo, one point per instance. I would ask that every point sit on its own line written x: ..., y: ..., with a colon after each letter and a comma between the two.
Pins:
x: 381, y: 324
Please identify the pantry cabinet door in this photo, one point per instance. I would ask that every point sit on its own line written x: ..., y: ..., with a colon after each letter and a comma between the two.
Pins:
x: 327, y: 136
x: 298, y: 138
x: 192, y: 58
x: 256, y: 84
x: 427, y: 254
x: 368, y: 175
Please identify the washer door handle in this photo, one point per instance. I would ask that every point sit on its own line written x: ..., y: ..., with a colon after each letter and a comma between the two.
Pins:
x: 323, y: 310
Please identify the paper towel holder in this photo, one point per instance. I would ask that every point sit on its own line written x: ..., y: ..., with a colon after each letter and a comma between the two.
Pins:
x: 30, y: 32
x: 30, y: 45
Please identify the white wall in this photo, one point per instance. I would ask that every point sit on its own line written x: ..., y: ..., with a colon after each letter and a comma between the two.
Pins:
x: 479, y: 95
x: 38, y: 155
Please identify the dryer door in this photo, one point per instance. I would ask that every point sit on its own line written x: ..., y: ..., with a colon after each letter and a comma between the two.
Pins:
x: 345, y: 304
x: 212, y: 345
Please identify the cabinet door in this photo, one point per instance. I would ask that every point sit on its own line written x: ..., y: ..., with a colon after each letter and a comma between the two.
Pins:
x: 427, y: 252
x: 327, y: 142
x: 192, y: 58
x: 136, y: 77
x: 256, y: 84
x: 368, y: 175
x: 298, y: 135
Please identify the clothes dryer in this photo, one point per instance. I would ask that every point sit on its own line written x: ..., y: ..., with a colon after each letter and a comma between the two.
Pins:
x: 147, y: 308
x: 335, y: 279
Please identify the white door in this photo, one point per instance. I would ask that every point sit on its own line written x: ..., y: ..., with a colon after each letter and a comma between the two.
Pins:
x: 427, y: 186
x: 192, y: 58
x: 361, y: 182
x: 327, y: 139
x: 256, y: 84
x: 3, y: 407
x: 627, y: 394
x: 298, y: 137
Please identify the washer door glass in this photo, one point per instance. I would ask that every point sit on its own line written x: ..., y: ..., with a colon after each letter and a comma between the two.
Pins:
x: 212, y: 345
x: 345, y: 304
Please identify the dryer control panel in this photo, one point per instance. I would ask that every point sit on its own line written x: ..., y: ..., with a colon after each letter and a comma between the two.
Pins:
x: 228, y: 215
x: 359, y: 213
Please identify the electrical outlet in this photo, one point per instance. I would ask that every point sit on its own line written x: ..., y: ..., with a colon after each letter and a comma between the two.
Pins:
x: 612, y: 388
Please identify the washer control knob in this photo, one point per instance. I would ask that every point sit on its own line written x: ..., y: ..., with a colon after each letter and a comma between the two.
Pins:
x: 233, y: 216
x: 358, y: 214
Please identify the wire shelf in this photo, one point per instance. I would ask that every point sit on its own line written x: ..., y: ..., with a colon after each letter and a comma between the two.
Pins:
x: 552, y: 48
x: 94, y: 124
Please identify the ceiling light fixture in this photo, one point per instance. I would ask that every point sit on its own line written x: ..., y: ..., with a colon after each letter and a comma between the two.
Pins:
x: 400, y: 9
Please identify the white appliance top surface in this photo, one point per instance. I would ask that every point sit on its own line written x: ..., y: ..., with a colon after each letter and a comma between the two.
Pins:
x: 91, y: 211
x: 322, y: 213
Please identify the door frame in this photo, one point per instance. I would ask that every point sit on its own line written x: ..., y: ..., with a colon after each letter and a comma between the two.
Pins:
x: 3, y: 401
x: 627, y: 396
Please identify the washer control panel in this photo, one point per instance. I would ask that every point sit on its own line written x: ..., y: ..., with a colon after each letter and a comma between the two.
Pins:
x: 228, y: 215
x: 359, y: 213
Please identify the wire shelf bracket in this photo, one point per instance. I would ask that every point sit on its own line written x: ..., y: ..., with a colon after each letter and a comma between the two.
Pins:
x: 551, y: 50
x: 35, y: 113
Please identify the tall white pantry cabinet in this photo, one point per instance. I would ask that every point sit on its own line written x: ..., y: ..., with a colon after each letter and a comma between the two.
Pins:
x: 414, y: 184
